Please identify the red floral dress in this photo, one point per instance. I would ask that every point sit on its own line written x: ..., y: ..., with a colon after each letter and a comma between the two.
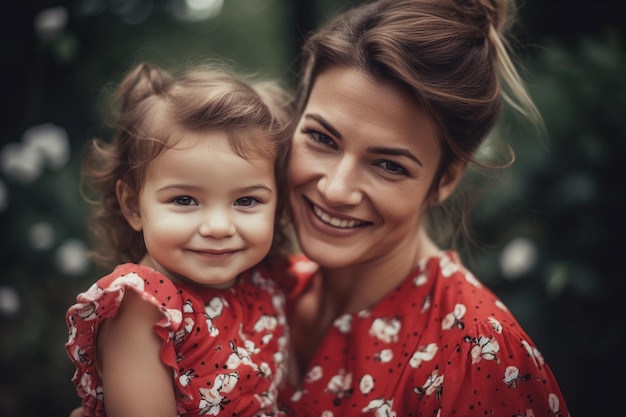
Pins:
x: 226, y: 347
x: 440, y: 344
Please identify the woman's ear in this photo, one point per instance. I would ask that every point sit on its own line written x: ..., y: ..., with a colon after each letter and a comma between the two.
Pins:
x: 449, y: 180
x: 129, y: 203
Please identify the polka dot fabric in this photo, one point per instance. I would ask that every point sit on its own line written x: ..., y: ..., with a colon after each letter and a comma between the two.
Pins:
x: 440, y: 344
x: 226, y: 347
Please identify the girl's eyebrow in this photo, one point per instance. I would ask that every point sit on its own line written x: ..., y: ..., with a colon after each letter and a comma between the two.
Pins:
x: 319, y: 119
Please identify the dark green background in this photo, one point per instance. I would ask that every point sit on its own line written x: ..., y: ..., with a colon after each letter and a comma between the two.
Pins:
x: 565, y: 193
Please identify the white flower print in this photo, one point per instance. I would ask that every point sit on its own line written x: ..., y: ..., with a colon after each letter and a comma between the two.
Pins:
x: 305, y: 267
x: 554, y: 402
x: 265, y: 399
x: 469, y: 277
x: 343, y: 323
x: 483, y: 348
x: 265, y: 322
x: 385, y: 329
x: 534, y: 353
x: 260, y: 281
x: 384, y: 355
x: 210, y: 401
x: 340, y: 384
x: 427, y: 302
x: 424, y: 353
x: 264, y: 370
x: 364, y: 313
x: 80, y: 355
x: 87, y: 311
x: 297, y: 395
x: 185, y: 379
x: 131, y: 280
x: 381, y: 408
x: 180, y: 334
x: 447, y: 266
x: 453, y: 318
x: 512, y: 376
x: 432, y: 385
x: 188, y: 306
x: 366, y: 385
x: 213, y: 330
x: 501, y: 305
x: 214, y: 308
x: 93, y: 293
x: 497, y: 326
x: 226, y: 382
x: 421, y: 279
x: 241, y: 355
x: 327, y: 413
x: 314, y: 374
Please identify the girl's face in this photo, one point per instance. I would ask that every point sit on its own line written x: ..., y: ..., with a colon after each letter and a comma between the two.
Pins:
x: 362, y: 161
x: 206, y: 213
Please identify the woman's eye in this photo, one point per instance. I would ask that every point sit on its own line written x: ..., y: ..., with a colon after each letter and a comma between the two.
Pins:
x: 247, y: 202
x: 321, y: 138
x: 184, y: 200
x: 393, y: 168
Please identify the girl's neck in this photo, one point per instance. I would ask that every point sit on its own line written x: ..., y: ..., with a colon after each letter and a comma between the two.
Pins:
x: 356, y: 287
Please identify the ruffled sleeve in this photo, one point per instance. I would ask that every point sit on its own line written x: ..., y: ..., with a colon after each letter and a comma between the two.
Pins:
x: 102, y: 301
x: 505, y: 371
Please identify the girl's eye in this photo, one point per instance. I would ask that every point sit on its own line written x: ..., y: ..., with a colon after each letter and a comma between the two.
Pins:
x: 247, y: 202
x: 320, y: 138
x: 184, y: 200
x: 393, y: 168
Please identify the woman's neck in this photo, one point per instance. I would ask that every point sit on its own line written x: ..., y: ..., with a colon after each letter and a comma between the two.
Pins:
x: 356, y: 287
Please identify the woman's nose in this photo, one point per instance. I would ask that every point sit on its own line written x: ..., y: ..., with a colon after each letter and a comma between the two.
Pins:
x: 217, y: 223
x: 340, y: 185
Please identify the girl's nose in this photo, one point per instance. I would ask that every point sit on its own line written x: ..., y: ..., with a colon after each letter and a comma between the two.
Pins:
x: 217, y: 223
x: 340, y: 185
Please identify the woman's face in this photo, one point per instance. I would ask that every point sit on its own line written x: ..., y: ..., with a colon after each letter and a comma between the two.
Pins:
x: 363, y: 158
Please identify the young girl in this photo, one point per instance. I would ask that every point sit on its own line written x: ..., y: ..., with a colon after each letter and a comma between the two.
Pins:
x: 190, y: 192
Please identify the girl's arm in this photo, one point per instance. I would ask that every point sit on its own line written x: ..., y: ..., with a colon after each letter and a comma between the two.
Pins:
x: 135, y: 381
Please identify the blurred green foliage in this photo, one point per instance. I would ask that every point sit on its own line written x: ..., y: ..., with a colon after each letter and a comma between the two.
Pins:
x: 558, y: 212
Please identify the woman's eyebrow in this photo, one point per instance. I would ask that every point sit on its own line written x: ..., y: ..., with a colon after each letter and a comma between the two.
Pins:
x: 319, y: 119
x: 395, y: 152
x: 380, y: 150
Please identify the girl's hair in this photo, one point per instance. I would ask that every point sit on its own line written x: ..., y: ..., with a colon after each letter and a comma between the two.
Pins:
x: 451, y: 54
x: 154, y: 108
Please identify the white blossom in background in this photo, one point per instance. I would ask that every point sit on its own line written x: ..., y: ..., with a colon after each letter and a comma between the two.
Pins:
x: 41, y: 236
x: 9, y: 301
x: 51, y: 141
x: 196, y: 10
x: 72, y: 257
x: 21, y: 163
x: 4, y: 196
x: 41, y: 146
x: 50, y: 23
x: 518, y: 258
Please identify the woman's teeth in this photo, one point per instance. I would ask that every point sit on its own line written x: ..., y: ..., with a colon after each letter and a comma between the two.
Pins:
x: 334, y: 221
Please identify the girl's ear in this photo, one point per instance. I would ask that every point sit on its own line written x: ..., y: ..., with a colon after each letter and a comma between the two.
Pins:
x: 449, y: 181
x: 129, y: 203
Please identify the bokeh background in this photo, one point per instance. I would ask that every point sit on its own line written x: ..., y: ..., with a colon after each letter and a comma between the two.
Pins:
x: 551, y: 231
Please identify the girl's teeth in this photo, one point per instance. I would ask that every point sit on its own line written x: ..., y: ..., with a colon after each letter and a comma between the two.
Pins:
x: 334, y: 221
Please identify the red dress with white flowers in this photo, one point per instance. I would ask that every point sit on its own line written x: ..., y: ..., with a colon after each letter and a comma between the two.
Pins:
x: 226, y: 347
x: 440, y: 344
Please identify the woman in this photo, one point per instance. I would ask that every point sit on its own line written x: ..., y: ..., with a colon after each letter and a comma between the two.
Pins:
x: 395, y: 99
